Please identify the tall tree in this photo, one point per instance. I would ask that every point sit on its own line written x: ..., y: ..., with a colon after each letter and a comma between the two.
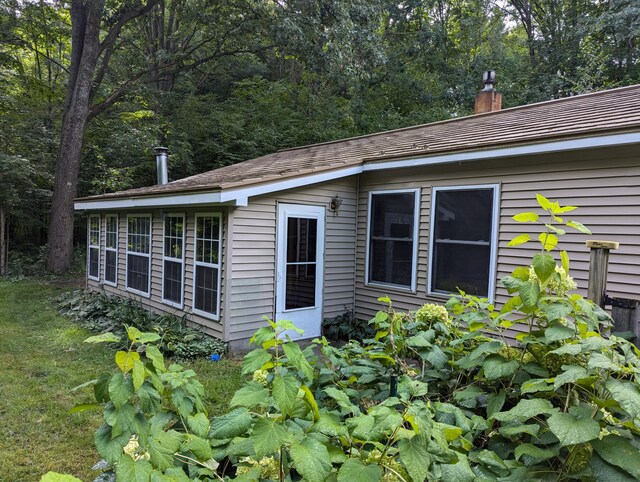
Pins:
x: 100, y: 33
x: 85, y: 75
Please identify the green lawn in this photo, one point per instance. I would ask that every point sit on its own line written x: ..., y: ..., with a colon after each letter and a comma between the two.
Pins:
x: 42, y: 358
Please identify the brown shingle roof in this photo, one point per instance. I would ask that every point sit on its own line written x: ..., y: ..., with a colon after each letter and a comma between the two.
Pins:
x: 599, y: 113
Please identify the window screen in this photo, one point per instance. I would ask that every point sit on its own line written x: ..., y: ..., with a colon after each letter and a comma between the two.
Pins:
x: 461, y: 244
x: 391, y: 238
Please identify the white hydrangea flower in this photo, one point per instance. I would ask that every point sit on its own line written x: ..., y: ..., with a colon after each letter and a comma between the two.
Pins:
x: 431, y: 313
x: 565, y: 284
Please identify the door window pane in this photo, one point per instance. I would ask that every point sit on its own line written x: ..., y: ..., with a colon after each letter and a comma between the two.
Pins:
x: 301, y: 286
x: 302, y: 241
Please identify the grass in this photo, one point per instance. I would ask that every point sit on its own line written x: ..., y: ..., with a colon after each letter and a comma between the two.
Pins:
x: 42, y: 358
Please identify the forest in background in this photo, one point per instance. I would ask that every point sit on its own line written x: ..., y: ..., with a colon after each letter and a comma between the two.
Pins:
x: 221, y: 82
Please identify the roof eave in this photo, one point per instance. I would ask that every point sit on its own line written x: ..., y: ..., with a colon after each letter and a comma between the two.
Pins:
x: 149, y: 201
x: 239, y: 195
x: 540, y: 147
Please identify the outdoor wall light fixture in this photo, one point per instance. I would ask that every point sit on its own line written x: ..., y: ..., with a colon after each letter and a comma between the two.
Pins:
x: 335, y: 204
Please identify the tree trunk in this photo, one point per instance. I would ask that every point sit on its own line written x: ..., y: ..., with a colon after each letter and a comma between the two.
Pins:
x: 85, y: 51
x: 3, y: 240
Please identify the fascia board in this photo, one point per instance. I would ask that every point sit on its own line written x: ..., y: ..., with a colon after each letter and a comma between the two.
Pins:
x: 184, y: 199
x: 243, y: 193
x: 542, y: 148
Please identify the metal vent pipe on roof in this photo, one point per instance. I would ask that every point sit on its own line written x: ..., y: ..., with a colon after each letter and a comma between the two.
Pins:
x: 162, y: 163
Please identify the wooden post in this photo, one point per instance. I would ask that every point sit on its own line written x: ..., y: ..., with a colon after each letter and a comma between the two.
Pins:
x: 598, y: 267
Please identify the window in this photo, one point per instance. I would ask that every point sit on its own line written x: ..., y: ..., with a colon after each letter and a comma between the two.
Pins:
x: 301, y: 263
x: 93, y: 248
x: 173, y: 260
x: 111, y: 250
x: 206, y: 296
x: 139, y: 254
x: 392, y: 238
x: 463, y: 240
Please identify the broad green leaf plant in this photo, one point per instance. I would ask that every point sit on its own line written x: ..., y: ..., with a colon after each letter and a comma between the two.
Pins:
x: 530, y: 391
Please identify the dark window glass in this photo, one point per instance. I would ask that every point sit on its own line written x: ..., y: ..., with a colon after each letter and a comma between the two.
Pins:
x: 206, y: 289
x: 110, y: 260
x: 301, y: 286
x: 138, y: 272
x: 301, y: 240
x: 173, y: 281
x: 94, y: 262
x: 391, y: 244
x: 391, y: 261
x: 462, y: 241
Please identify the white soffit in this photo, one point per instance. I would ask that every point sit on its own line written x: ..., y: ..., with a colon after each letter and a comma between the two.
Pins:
x: 240, y: 196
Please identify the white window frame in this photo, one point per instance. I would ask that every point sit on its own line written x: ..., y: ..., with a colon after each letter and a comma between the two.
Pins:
x: 495, y: 220
x: 415, y: 239
x: 135, y: 253
x: 93, y: 246
x: 108, y: 249
x: 206, y: 314
x: 175, y: 260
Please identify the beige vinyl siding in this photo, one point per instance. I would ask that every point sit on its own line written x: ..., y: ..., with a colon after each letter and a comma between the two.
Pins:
x: 604, y: 184
x: 252, y: 275
x: 154, y: 301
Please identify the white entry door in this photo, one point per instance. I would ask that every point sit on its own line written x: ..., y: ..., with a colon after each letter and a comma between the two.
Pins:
x: 300, y: 267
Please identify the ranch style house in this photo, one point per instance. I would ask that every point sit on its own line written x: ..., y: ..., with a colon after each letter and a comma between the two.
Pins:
x: 313, y: 232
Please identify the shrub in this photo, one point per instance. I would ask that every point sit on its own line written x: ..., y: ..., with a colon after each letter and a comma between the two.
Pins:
x: 33, y: 262
x: 101, y: 313
x: 346, y: 327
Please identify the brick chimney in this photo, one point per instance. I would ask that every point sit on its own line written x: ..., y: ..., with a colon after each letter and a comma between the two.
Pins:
x: 488, y: 99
